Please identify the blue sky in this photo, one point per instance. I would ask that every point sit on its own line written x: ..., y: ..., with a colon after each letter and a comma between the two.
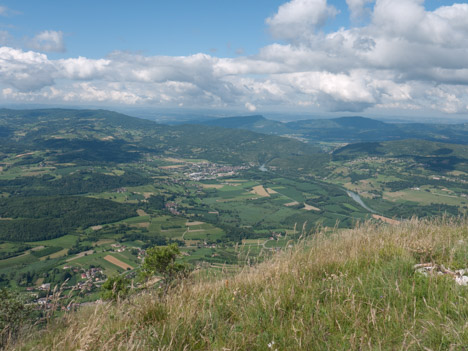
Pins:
x: 176, y: 27
x: 384, y: 56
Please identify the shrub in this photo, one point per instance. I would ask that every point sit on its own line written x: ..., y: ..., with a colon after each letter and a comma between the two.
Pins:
x: 162, y: 261
x: 116, y: 287
x: 13, y: 315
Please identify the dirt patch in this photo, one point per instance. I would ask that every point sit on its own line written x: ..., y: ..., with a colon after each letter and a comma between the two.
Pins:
x: 104, y: 242
x: 96, y: 227
x: 385, y: 219
x: 37, y: 248
x: 81, y: 254
x: 141, y: 225
x: 188, y: 224
x: 260, y: 190
x: 172, y: 159
x: 147, y: 195
x: 141, y: 212
x: 294, y: 203
x: 33, y: 174
x: 310, y: 208
x: 212, y: 186
x: 117, y: 262
x: 21, y: 155
x: 271, y: 191
x: 172, y: 166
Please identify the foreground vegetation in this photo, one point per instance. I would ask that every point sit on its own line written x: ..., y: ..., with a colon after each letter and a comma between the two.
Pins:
x: 353, y: 289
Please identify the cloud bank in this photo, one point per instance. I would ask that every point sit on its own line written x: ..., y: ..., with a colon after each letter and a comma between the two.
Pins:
x: 399, y: 56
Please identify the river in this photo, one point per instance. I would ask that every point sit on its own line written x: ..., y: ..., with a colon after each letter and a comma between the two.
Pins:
x: 358, y: 199
x: 263, y: 168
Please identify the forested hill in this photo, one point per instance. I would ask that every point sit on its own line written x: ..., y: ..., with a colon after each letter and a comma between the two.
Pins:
x: 435, y: 156
x: 346, y: 129
x: 89, y: 136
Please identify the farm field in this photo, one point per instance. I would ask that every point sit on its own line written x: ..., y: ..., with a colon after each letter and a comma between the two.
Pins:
x: 425, y: 197
x: 72, y: 196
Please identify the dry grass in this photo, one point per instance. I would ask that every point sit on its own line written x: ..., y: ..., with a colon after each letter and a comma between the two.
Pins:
x: 350, y: 290
x: 81, y: 254
x: 260, y: 190
x: 117, y: 262
x: 310, y: 207
x: 385, y: 219
x: 141, y: 212
x: 212, y: 186
x: 289, y: 204
x: 191, y: 224
x: 172, y: 167
x: 271, y: 191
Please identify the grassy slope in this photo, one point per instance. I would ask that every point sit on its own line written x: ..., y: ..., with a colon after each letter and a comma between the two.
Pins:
x: 352, y: 290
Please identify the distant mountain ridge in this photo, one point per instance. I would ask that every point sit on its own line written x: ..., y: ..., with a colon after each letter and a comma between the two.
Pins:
x: 256, y: 123
x: 87, y: 136
x: 345, y: 129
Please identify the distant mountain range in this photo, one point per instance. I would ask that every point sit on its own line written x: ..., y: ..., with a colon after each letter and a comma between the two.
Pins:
x: 345, y: 129
x: 90, y: 136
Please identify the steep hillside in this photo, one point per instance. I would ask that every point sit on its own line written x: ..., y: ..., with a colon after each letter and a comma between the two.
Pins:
x: 351, y: 290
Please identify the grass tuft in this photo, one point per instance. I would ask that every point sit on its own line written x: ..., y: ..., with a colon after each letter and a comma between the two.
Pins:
x: 349, y: 290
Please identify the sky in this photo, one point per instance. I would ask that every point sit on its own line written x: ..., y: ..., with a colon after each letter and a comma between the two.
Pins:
x: 387, y: 57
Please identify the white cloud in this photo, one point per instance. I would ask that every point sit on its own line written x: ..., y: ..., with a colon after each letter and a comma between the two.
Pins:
x: 25, y: 71
x: 250, y: 107
x: 405, y: 57
x: 300, y: 18
x: 48, y: 41
x: 82, y: 68
x: 358, y: 9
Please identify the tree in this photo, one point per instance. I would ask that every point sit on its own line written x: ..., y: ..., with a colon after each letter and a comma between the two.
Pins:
x: 13, y: 315
x: 115, y: 288
x: 162, y: 261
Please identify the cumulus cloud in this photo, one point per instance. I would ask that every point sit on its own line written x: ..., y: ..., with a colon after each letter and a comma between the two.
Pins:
x: 48, y: 41
x: 250, y: 107
x: 25, y: 71
x: 404, y: 57
x: 298, y: 19
x: 358, y: 9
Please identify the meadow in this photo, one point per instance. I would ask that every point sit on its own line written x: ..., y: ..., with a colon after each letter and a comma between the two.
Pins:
x: 351, y: 289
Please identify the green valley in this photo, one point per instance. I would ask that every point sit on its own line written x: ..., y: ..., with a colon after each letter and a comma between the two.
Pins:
x: 84, y: 193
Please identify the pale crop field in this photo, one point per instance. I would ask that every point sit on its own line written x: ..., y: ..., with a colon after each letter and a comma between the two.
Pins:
x: 260, y: 190
x: 117, y: 262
